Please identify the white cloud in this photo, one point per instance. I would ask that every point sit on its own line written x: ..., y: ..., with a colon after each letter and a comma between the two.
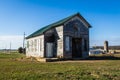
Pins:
x: 16, y: 42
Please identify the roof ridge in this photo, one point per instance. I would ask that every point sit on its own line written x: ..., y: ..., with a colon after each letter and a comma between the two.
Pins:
x: 57, y: 23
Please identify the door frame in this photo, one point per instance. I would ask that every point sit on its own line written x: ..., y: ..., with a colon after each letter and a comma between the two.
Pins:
x: 76, y: 47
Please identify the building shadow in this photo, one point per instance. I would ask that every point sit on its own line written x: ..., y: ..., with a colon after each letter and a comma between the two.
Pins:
x: 103, y: 58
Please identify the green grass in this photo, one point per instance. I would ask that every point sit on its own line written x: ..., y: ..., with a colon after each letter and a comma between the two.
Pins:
x: 13, y: 69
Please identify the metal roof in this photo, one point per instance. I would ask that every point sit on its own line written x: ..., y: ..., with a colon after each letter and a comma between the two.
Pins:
x: 58, y: 23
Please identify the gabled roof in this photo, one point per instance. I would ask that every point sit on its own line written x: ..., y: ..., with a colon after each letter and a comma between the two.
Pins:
x: 58, y: 23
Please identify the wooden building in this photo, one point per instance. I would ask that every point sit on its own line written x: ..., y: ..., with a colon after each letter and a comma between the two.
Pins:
x: 67, y: 38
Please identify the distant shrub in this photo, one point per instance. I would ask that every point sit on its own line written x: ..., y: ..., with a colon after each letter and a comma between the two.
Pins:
x: 20, y: 50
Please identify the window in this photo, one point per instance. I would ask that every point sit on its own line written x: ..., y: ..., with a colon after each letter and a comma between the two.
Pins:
x: 27, y: 44
x: 35, y: 45
x: 76, y: 27
x: 40, y: 44
x: 85, y: 45
x: 32, y: 45
x: 67, y: 43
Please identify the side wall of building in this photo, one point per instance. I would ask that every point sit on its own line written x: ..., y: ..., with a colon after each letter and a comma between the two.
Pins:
x: 54, y: 36
x: 59, y: 30
x: 35, y: 46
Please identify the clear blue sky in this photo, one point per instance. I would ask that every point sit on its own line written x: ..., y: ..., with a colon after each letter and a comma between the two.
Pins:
x: 18, y: 16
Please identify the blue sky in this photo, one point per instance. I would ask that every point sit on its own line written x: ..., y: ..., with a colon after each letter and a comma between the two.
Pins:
x: 19, y: 16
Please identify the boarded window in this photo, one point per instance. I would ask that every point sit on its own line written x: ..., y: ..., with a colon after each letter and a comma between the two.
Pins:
x: 40, y: 44
x: 32, y: 45
x: 27, y: 44
x: 35, y: 45
x: 76, y: 27
x: 67, y: 43
x: 85, y: 45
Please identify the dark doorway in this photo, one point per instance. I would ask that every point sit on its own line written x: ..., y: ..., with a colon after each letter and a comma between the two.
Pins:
x: 50, y: 46
x: 50, y: 38
x: 76, y: 47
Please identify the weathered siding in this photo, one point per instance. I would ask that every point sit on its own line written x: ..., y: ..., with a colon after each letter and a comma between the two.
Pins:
x: 51, y: 37
x: 35, y: 46
x: 76, y: 28
x: 60, y: 41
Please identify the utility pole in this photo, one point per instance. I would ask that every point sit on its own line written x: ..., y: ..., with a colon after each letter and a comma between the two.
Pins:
x: 10, y: 48
x: 24, y: 42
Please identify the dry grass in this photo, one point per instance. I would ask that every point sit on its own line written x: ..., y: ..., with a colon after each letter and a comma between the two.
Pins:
x: 25, y: 69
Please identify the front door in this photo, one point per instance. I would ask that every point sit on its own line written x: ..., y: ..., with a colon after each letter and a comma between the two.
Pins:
x: 77, y: 47
x: 49, y: 50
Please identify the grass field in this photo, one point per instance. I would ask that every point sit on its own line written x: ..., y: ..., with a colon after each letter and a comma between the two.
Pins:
x: 15, y: 67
